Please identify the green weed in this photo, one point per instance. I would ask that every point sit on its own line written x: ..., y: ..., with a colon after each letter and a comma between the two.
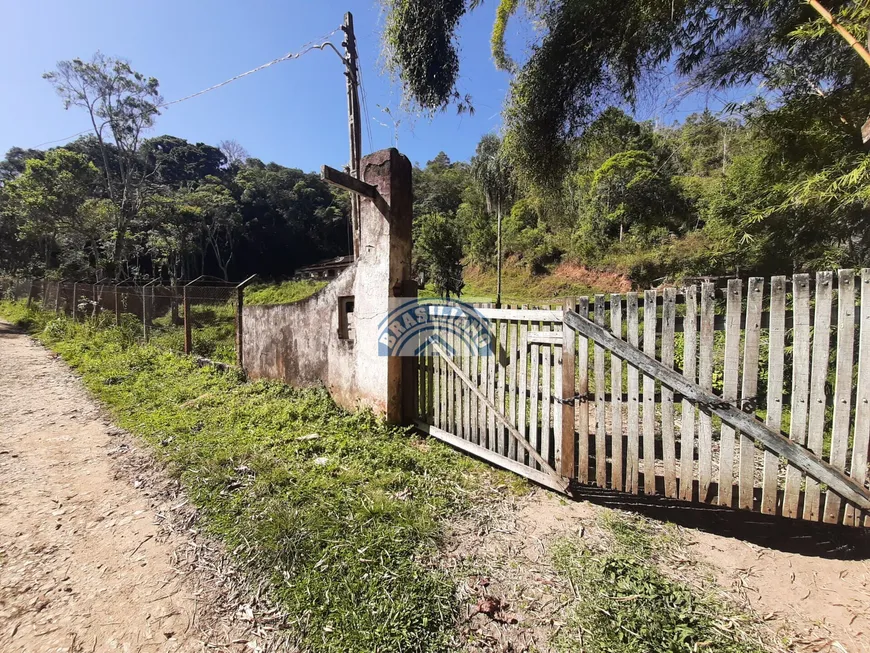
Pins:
x: 287, y: 292
x: 337, y: 510
x: 624, y: 604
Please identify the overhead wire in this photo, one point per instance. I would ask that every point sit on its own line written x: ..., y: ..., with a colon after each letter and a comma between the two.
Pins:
x: 315, y: 44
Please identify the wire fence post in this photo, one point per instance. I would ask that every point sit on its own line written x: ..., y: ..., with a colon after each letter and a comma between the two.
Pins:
x: 57, y: 298
x: 75, y: 302
x: 187, y: 324
x: 98, y: 297
x: 30, y: 293
x: 117, y: 307
x: 240, y: 307
x: 146, y: 332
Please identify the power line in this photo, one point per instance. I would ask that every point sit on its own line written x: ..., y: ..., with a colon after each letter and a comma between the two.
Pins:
x: 316, y: 44
x: 35, y: 147
x: 308, y: 47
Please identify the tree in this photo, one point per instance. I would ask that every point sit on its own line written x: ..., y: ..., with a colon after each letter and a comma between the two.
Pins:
x: 234, y: 153
x: 624, y: 44
x: 15, y: 162
x: 121, y: 104
x: 440, y: 254
x: 48, y: 198
x: 492, y: 172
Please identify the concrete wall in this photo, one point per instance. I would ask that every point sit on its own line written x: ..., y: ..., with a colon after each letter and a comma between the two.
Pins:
x: 299, y: 343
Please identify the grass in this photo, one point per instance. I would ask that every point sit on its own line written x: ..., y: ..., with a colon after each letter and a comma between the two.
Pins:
x: 625, y: 604
x: 287, y: 292
x: 520, y: 286
x: 336, y: 510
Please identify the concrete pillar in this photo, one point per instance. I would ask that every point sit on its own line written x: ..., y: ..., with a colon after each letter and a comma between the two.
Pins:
x: 383, y: 271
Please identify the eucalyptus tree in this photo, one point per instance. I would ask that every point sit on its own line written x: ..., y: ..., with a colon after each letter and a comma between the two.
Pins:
x: 121, y: 104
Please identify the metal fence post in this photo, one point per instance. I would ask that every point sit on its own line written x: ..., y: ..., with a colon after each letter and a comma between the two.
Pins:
x: 240, y: 306
x: 188, y: 336
x: 75, y: 303
x: 146, y: 333
x: 117, y: 307
x: 57, y: 298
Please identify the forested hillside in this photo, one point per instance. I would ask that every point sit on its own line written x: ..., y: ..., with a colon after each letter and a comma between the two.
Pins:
x: 776, y: 184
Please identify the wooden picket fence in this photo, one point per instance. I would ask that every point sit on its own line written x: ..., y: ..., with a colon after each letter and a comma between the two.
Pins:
x: 563, y: 406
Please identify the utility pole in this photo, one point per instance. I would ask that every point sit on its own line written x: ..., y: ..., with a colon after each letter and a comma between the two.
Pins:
x: 354, y: 126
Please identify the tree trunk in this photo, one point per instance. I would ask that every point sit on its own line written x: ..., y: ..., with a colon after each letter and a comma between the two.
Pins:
x: 498, y: 258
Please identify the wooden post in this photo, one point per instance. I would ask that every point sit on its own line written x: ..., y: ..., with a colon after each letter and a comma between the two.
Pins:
x: 566, y: 463
x: 75, y: 303
x: 57, y: 298
x: 146, y: 320
x: 98, y: 295
x: 188, y: 336
x: 30, y: 293
x: 240, y: 305
x: 117, y: 307
x: 354, y: 124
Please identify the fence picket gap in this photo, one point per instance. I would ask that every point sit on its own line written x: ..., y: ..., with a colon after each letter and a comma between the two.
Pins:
x: 843, y: 385
x: 669, y: 449
x: 775, y: 371
x: 649, y: 388
x: 633, y: 447
x: 687, y: 412
x: 818, y: 375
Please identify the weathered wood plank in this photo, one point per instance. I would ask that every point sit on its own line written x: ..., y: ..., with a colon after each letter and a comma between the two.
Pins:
x: 649, y: 390
x: 556, y: 409
x: 862, y: 403
x: 775, y: 388
x: 533, y: 315
x: 513, y: 340
x: 600, y: 402
x: 617, y: 480
x: 729, y: 414
x: 818, y: 375
x: 583, y: 403
x: 749, y: 388
x: 632, y: 461
x: 843, y: 385
x: 567, y: 448
x: 669, y: 448
x: 465, y: 362
x: 547, y: 402
x: 500, y: 389
x: 545, y: 337
x: 523, y: 353
x: 800, y: 388
x: 547, y: 480
x: 483, y: 438
x: 503, y: 419
x: 687, y: 410
x: 730, y: 378
x: 705, y: 380
x: 535, y: 403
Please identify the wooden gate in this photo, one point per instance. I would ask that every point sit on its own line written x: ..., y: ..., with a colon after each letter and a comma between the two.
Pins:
x: 714, y: 395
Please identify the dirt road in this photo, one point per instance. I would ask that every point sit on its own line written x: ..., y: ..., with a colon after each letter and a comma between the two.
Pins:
x: 83, y: 565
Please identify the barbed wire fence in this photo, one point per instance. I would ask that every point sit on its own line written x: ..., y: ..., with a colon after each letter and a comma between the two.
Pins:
x: 201, y: 317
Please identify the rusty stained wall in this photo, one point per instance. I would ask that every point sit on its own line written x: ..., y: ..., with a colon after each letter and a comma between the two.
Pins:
x: 299, y: 343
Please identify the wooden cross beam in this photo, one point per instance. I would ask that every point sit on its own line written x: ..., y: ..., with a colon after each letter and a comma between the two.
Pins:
x: 354, y: 185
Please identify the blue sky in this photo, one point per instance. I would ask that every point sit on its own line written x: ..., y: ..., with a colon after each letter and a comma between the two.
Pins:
x: 294, y: 113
